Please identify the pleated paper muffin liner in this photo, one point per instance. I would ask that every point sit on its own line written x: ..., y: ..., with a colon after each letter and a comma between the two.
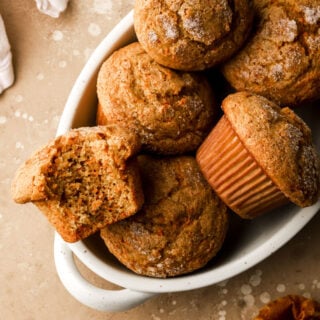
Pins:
x: 235, y: 175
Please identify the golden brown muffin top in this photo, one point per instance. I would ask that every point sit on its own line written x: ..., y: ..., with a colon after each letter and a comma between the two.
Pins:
x: 280, y: 142
x: 171, y: 111
x: 181, y: 225
x: 191, y: 35
x: 281, y: 58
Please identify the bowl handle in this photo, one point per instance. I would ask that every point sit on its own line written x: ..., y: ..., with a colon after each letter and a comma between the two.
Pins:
x: 88, y: 294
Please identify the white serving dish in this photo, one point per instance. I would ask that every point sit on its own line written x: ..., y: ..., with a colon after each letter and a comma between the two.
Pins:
x: 250, y: 244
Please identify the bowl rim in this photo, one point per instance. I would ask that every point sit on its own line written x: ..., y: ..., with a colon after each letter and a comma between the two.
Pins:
x: 130, y: 280
x: 123, y: 31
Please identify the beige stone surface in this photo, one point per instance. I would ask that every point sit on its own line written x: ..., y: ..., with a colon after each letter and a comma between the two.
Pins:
x: 48, y: 55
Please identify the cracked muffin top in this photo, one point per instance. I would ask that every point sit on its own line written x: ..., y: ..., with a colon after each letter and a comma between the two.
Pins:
x: 171, y: 111
x: 181, y: 226
x: 192, y: 35
x: 281, y: 59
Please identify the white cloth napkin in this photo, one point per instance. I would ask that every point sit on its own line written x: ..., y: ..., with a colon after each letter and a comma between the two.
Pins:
x: 6, y: 69
x: 52, y: 8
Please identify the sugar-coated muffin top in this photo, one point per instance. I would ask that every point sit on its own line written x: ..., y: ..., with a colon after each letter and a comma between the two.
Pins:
x: 172, y: 111
x: 192, y: 35
x: 281, y: 59
x: 181, y: 225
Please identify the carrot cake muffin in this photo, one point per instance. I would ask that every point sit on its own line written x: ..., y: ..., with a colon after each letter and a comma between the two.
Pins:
x: 171, y: 111
x: 192, y: 35
x: 281, y: 59
x: 180, y: 227
x: 260, y: 156
x: 83, y: 180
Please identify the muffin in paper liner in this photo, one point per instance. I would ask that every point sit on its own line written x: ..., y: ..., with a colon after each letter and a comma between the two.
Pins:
x: 260, y: 156
x: 235, y: 175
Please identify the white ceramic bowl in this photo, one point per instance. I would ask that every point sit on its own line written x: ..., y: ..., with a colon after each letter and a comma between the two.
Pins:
x: 252, y: 242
